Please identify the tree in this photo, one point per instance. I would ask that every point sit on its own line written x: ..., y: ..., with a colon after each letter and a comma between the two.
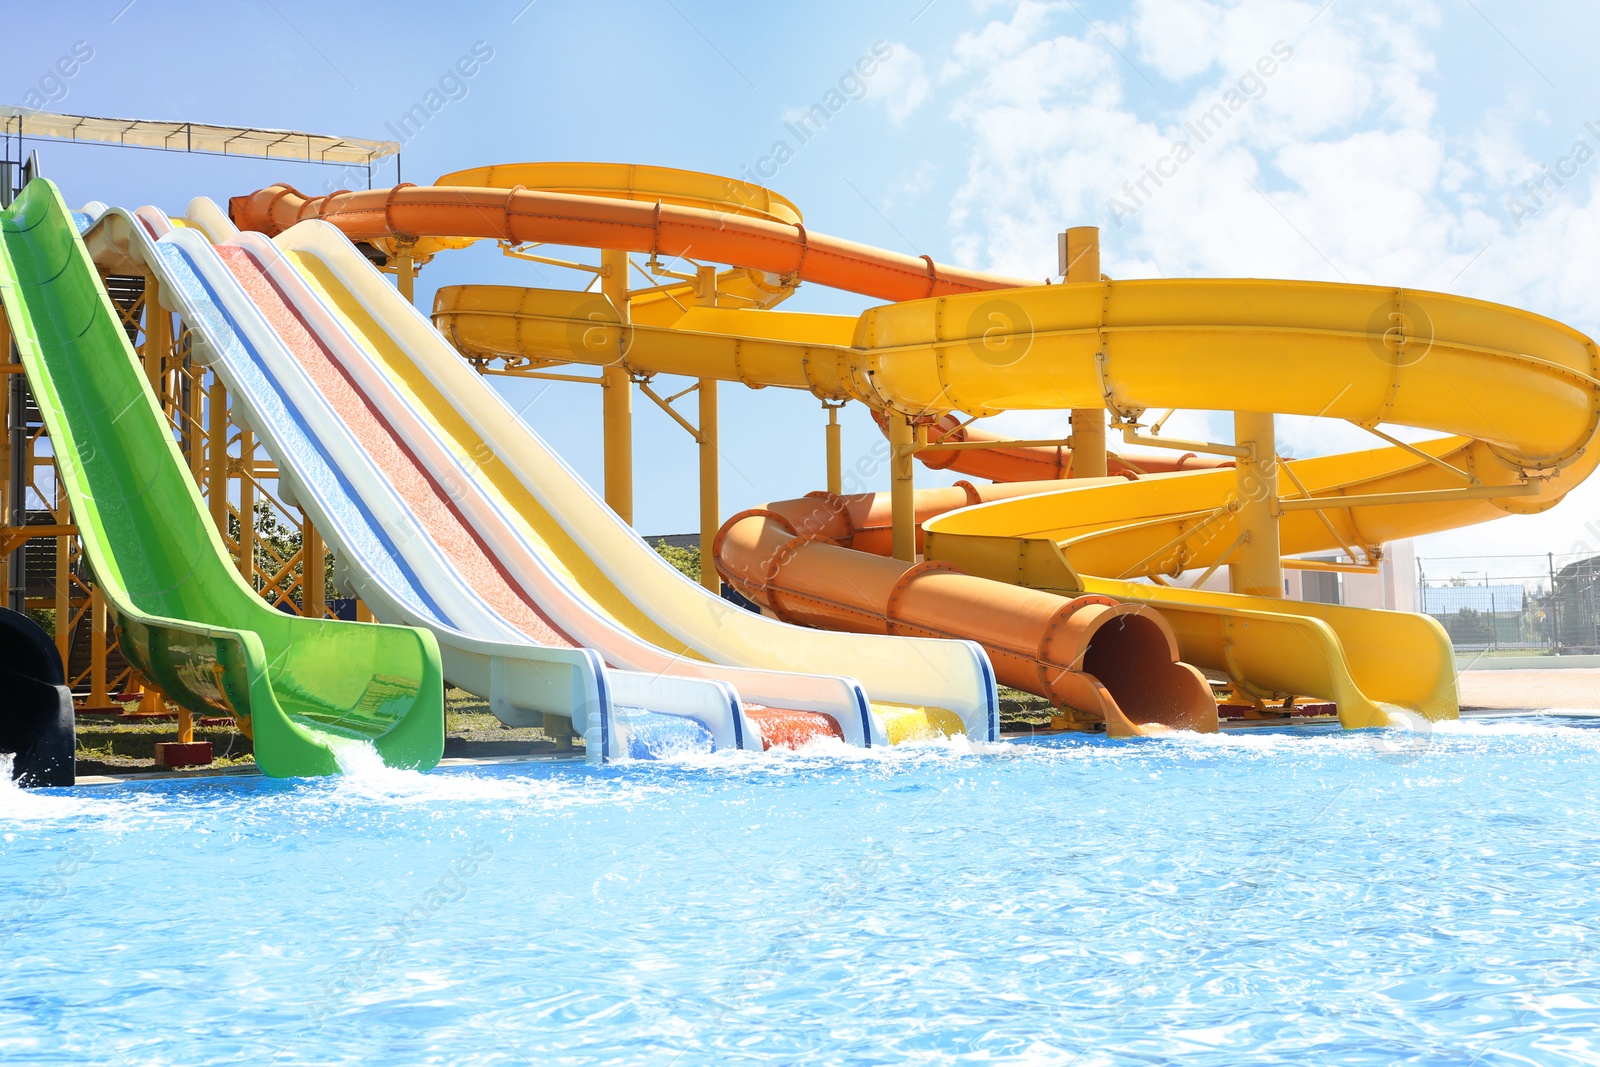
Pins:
x: 687, y: 560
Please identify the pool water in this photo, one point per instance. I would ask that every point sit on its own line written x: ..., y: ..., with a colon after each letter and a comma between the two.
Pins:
x: 1299, y: 897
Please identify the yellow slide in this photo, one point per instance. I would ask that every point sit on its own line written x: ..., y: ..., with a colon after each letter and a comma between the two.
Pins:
x: 1518, y: 392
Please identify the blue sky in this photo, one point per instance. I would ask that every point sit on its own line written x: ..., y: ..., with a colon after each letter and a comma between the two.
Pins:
x: 1385, y: 148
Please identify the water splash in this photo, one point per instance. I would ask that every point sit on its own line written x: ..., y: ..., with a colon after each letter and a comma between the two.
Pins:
x: 657, y: 737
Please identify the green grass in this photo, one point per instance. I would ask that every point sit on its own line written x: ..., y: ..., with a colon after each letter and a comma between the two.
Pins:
x: 1023, y: 711
x: 117, y: 746
x: 109, y: 745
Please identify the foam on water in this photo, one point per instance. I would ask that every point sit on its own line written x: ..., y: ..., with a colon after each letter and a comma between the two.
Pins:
x: 656, y: 737
x: 1294, y: 895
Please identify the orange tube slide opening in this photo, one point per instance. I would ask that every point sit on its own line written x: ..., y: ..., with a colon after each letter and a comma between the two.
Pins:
x: 1133, y: 654
x: 1037, y: 641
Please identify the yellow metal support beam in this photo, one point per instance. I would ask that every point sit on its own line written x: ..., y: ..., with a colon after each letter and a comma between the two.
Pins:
x: 63, y: 577
x: 1080, y: 265
x: 405, y: 276
x: 247, y: 508
x: 962, y: 446
x: 904, y: 442
x: 197, y: 396
x: 1258, y: 570
x: 617, y: 406
x: 710, y: 503
x: 1088, y: 443
x: 705, y: 295
x: 99, y: 694
x: 835, y: 450
x: 1432, y: 496
x: 157, y: 338
x: 217, y: 455
x: 313, y: 566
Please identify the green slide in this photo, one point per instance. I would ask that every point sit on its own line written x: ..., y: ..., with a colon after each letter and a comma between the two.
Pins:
x: 188, y: 621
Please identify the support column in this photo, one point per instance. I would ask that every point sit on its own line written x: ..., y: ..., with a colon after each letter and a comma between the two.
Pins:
x: 247, y: 507
x: 1259, y: 569
x: 63, y: 577
x: 99, y: 694
x: 904, y: 439
x: 157, y: 334
x: 313, y: 568
x: 195, y: 395
x: 18, y: 474
x: 710, y: 484
x: 617, y: 414
x: 835, y: 451
x: 405, y: 276
x: 1080, y: 265
x: 705, y: 295
x: 1089, y: 443
x: 217, y: 454
x: 558, y: 728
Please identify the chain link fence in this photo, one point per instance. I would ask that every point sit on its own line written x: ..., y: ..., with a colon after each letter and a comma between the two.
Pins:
x: 1538, y: 603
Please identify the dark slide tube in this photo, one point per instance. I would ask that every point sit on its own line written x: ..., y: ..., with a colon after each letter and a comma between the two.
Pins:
x: 36, y: 723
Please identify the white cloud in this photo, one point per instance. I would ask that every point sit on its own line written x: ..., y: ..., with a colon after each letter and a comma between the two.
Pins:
x: 901, y: 84
x: 1179, y: 38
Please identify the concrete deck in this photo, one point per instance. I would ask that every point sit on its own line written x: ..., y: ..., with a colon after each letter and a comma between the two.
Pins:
x: 1570, y: 688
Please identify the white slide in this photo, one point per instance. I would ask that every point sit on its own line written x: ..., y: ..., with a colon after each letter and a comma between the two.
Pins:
x: 546, y: 524
x: 400, y: 574
x: 509, y: 565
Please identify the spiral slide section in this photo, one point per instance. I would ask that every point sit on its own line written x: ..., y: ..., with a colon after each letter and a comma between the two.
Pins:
x: 301, y: 687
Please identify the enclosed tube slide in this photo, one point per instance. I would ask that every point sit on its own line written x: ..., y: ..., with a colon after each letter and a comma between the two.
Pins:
x: 38, y: 735
x: 1107, y: 662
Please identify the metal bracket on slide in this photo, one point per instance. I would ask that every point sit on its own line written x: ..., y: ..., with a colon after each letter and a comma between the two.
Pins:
x: 1131, y: 434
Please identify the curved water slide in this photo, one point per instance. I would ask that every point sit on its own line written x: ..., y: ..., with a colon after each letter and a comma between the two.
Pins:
x: 1303, y: 348
x: 301, y: 687
x: 1518, y: 393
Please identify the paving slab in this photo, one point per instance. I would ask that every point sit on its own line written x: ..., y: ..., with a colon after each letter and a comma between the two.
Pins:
x: 1570, y: 688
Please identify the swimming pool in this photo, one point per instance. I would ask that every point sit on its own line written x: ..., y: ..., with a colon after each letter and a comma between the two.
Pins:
x: 1305, y: 896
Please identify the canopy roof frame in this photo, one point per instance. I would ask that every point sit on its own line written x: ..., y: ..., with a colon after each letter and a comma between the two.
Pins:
x: 196, y: 137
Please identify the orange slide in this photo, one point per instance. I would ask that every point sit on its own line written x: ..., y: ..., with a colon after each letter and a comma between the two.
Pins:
x: 786, y: 250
